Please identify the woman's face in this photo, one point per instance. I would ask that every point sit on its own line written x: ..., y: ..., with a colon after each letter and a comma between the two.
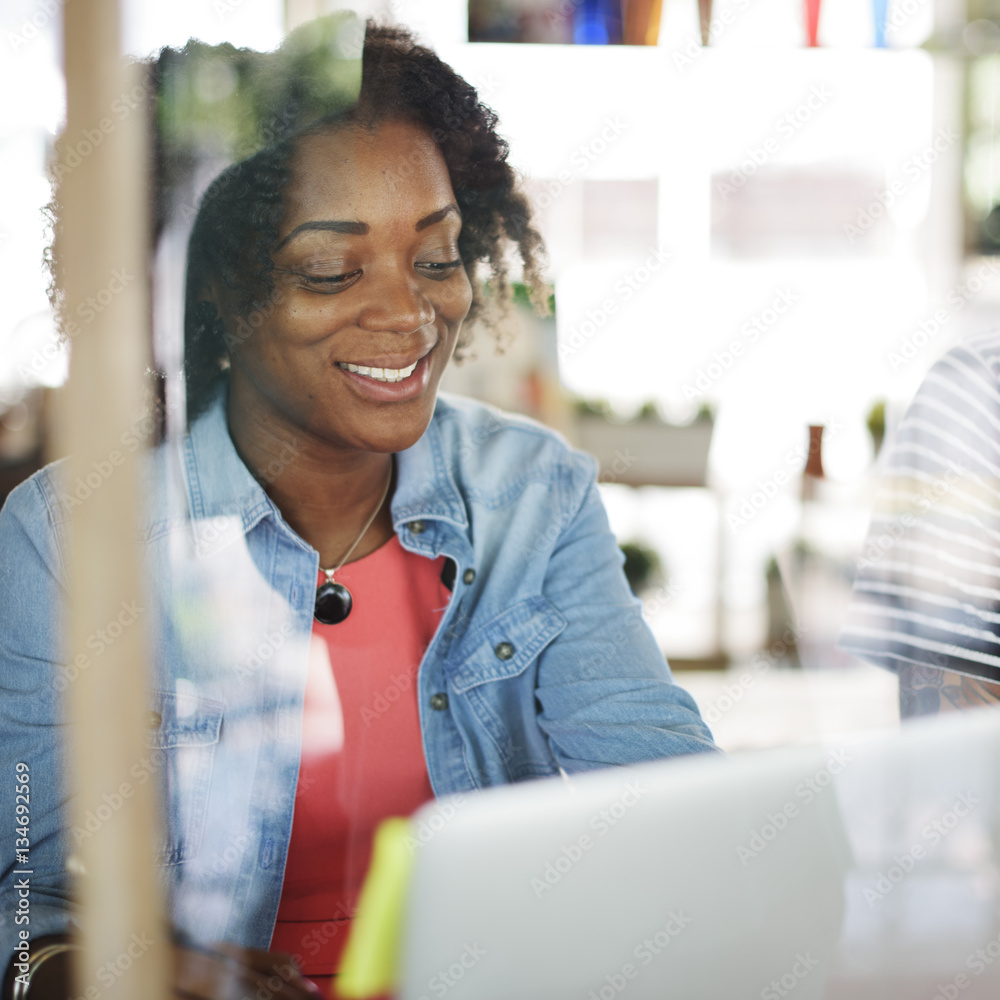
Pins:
x: 370, y: 293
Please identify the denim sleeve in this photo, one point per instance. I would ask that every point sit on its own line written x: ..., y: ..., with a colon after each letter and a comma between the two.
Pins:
x: 605, y: 690
x: 30, y: 723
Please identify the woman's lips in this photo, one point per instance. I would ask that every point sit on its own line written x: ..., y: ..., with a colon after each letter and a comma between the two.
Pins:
x: 404, y: 383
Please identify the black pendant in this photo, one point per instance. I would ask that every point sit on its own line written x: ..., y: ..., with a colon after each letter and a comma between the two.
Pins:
x: 333, y: 603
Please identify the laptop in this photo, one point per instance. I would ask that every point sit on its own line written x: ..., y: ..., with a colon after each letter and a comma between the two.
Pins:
x: 865, y: 869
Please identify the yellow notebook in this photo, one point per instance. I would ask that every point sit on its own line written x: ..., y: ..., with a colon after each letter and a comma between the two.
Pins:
x: 369, y: 966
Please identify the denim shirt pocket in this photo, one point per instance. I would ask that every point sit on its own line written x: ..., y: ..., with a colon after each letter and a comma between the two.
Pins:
x: 182, y: 735
x: 505, y: 646
x: 506, y: 745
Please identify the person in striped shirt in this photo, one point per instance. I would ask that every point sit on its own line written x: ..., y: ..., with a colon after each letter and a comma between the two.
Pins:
x: 926, y: 600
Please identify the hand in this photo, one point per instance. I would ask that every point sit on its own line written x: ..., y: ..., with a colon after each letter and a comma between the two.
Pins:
x: 925, y: 690
x: 227, y: 972
x: 219, y: 972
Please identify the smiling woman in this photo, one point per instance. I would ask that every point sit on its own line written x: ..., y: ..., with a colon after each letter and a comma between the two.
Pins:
x: 367, y: 594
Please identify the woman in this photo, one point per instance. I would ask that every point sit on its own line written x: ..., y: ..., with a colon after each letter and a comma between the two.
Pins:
x: 367, y: 596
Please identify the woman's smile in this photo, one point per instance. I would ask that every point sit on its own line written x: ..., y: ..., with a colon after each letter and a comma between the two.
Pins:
x: 383, y: 383
x: 380, y: 372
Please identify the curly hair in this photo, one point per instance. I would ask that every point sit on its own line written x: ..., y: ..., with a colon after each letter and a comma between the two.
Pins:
x: 236, y: 228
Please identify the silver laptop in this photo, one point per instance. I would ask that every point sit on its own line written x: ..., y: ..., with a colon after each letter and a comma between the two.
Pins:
x: 869, y: 869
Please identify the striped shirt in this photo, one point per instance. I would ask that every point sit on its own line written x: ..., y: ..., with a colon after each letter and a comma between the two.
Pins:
x: 927, y: 588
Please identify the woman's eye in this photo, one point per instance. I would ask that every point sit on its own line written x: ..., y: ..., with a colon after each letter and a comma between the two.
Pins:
x: 330, y: 283
x: 439, y: 270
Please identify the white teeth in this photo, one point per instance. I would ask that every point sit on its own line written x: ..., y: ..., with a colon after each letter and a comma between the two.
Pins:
x: 381, y: 374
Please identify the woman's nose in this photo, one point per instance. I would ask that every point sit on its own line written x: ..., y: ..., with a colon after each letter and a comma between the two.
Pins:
x: 396, y: 303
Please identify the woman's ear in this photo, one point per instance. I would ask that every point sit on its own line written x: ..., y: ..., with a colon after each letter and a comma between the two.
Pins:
x: 206, y: 313
x: 211, y: 293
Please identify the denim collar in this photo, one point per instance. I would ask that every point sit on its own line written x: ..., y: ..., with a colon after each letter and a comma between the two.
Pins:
x: 220, y: 485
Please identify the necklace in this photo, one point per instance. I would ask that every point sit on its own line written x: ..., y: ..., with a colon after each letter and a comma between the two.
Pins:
x: 333, y: 600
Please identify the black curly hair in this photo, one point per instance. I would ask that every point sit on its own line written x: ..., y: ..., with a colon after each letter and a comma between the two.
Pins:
x: 236, y: 228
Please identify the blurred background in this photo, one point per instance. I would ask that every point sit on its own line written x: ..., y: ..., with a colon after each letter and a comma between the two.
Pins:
x: 766, y: 220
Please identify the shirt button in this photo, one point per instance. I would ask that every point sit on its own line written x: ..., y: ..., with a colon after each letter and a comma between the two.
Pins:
x: 504, y: 651
x: 439, y: 701
x: 153, y: 720
x: 417, y: 527
x: 468, y: 576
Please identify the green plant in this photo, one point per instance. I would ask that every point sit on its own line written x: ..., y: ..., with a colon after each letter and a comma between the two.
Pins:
x: 643, y: 567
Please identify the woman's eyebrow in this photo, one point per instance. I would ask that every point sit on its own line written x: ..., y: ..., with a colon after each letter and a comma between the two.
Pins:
x: 361, y: 228
x: 348, y: 228
x: 429, y: 220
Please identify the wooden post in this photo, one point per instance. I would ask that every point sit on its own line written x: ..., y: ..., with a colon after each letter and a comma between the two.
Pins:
x: 104, y: 249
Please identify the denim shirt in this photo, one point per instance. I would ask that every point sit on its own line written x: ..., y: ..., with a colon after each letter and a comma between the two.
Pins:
x: 542, y: 652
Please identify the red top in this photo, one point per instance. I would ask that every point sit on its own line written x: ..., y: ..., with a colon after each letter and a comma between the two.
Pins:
x: 362, y: 754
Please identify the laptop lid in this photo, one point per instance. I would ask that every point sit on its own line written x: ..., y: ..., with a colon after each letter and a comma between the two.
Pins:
x: 867, y: 869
